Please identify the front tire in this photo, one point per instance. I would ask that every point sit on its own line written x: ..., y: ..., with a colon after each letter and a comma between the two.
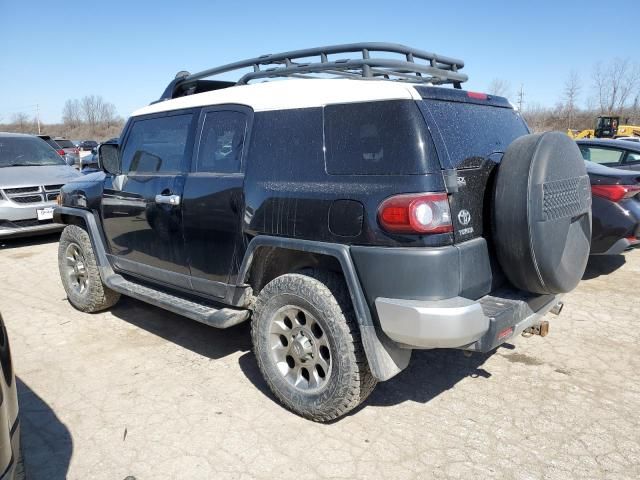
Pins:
x: 307, y: 345
x: 79, y: 272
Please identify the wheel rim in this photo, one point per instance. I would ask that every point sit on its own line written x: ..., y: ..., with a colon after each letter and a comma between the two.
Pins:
x: 300, y: 348
x: 76, y: 269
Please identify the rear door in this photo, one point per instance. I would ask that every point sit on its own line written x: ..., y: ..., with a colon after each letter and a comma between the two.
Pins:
x: 213, y: 198
x: 471, y: 133
x: 142, y: 207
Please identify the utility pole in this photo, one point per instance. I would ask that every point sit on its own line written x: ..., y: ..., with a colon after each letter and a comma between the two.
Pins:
x: 38, y: 116
x: 520, y: 98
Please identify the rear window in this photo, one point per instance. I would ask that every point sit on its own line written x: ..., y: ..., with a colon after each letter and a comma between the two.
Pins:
x: 52, y: 143
x: 603, y: 156
x: 472, y: 132
x: 377, y: 138
x: 65, y: 143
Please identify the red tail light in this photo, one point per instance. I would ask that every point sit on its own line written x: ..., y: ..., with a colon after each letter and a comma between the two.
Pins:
x: 416, y: 213
x: 615, y: 193
x: 60, y: 152
x: 477, y: 95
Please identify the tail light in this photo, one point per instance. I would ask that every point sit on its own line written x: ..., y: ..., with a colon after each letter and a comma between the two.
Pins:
x: 416, y: 213
x: 615, y: 193
x: 477, y: 95
x: 60, y: 152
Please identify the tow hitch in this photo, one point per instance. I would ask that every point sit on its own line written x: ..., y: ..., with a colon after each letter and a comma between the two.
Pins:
x: 542, y: 328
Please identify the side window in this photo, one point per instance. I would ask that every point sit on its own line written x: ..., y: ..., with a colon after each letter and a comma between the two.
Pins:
x: 632, y: 157
x: 603, y: 156
x: 221, y: 142
x: 156, y: 145
x: 377, y: 138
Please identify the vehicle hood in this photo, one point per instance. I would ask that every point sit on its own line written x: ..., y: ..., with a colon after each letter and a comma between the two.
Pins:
x: 11, y: 177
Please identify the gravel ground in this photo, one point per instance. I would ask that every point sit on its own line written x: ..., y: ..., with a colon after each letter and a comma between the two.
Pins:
x: 142, y: 392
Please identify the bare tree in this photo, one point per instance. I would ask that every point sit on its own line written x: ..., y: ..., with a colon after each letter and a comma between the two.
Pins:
x: 72, y: 113
x: 499, y: 87
x: 614, y: 84
x: 572, y: 89
x: 21, y: 122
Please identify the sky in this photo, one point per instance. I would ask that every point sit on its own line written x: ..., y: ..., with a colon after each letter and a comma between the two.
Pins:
x: 128, y: 51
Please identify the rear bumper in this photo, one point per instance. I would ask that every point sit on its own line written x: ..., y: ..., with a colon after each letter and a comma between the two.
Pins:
x: 479, y: 325
x: 622, y: 245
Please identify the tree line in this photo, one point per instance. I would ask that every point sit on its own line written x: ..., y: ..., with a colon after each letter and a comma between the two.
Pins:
x: 612, y: 89
x: 90, y: 117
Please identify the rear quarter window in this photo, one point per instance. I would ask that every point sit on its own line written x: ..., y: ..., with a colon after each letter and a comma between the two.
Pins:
x: 377, y: 138
x: 472, y: 132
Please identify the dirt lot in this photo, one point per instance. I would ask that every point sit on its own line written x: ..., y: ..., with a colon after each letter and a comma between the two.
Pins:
x: 142, y: 392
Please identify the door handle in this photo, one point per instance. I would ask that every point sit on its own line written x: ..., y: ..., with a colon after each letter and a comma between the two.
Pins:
x: 173, y: 200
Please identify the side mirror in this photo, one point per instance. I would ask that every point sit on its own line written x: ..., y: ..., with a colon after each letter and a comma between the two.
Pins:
x: 109, y: 158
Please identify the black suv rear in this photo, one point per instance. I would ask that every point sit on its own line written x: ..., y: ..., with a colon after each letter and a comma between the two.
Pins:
x: 353, y: 220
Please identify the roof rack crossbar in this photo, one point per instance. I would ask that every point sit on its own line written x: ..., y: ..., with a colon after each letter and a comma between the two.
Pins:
x: 418, y: 66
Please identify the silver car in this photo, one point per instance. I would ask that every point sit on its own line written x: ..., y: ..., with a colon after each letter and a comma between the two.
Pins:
x: 31, y: 175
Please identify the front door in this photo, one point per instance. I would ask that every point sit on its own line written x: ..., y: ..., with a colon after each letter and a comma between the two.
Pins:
x: 213, y: 199
x: 142, y: 207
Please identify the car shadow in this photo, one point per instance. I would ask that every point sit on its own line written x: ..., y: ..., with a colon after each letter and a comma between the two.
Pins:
x: 197, y: 337
x: 430, y: 373
x: 603, y: 265
x: 46, y: 442
x: 9, y: 243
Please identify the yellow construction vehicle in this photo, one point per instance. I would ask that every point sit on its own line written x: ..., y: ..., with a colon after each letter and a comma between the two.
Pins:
x: 606, y: 127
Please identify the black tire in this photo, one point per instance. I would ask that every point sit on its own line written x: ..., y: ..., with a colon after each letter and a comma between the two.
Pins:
x: 323, y: 295
x: 542, y: 213
x: 94, y: 296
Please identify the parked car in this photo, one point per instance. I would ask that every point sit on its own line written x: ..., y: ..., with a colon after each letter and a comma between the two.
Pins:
x: 616, y: 209
x: 611, y: 153
x: 71, y: 151
x: 59, y: 150
x: 31, y: 175
x: 353, y: 220
x: 87, y: 145
x: 11, y: 462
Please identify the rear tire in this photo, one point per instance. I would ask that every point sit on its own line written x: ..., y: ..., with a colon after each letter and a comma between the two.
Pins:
x: 79, y: 272
x: 307, y: 345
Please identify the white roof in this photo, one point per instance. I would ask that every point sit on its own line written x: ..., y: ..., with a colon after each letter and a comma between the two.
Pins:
x: 293, y: 93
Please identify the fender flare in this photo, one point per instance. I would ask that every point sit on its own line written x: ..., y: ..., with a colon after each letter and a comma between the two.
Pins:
x: 385, y: 358
x: 95, y: 235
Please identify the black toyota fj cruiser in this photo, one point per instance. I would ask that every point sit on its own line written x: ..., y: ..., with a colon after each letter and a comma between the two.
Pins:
x: 355, y: 211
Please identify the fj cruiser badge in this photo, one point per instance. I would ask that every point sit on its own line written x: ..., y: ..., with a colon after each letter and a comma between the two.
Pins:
x: 464, y: 217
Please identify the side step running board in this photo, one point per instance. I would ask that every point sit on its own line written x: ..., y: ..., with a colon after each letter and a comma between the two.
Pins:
x: 219, y: 318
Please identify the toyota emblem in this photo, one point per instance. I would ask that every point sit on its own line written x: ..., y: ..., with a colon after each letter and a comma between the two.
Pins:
x: 464, y: 217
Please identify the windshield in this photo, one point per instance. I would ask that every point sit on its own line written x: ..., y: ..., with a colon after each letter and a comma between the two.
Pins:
x: 26, y: 152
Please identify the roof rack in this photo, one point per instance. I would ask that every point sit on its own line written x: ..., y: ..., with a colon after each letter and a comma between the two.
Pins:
x: 435, y: 70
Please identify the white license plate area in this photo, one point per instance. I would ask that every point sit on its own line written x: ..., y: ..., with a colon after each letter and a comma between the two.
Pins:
x: 45, y: 213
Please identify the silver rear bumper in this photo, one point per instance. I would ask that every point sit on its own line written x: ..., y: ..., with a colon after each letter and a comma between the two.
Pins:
x: 458, y: 322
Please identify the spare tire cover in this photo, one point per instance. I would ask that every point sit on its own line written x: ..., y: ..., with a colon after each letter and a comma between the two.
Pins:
x: 542, y: 213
